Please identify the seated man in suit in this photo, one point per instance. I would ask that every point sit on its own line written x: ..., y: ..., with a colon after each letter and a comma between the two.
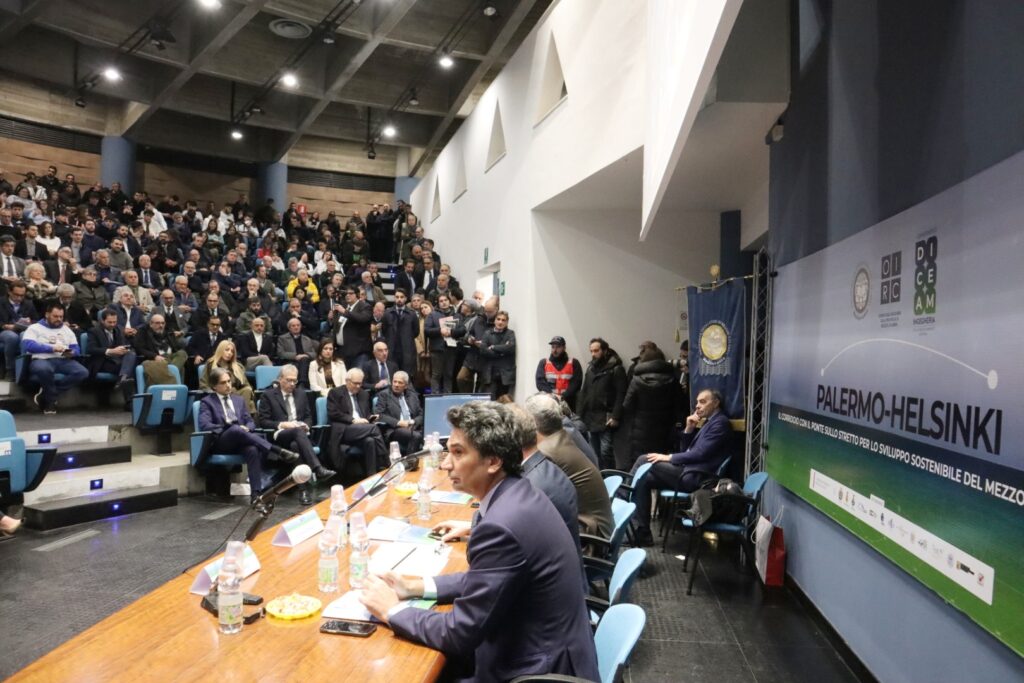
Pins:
x: 109, y: 351
x: 594, y: 509
x: 352, y: 422
x: 256, y: 347
x: 287, y: 412
x: 377, y: 373
x: 17, y: 312
x: 401, y: 414
x: 157, y: 349
x: 226, y: 416
x: 295, y: 347
x: 703, y: 453
x: 201, y: 346
x: 519, y: 609
x: 62, y: 269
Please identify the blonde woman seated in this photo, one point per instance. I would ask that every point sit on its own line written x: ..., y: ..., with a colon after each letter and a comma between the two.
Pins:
x: 36, y: 283
x: 224, y: 357
x: 326, y: 373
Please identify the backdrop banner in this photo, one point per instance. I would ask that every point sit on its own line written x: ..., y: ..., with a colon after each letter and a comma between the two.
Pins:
x: 718, y: 342
x: 897, y: 392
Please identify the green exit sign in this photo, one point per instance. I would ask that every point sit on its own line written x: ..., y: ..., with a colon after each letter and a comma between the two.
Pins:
x: 486, y: 253
x: 501, y: 288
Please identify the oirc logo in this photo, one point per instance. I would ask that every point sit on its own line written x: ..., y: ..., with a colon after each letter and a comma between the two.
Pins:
x: 861, y: 291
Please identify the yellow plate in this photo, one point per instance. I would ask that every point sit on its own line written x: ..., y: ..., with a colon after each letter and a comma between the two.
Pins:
x: 293, y: 606
x: 406, y: 489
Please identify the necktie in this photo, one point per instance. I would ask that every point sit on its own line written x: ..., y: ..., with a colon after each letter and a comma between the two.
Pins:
x: 60, y: 280
x: 289, y: 400
x: 383, y: 371
x: 476, y: 519
x: 297, y: 341
x: 10, y: 267
x: 145, y: 278
x: 355, y: 408
x: 229, y: 411
x: 110, y: 337
x: 406, y: 416
x: 213, y: 341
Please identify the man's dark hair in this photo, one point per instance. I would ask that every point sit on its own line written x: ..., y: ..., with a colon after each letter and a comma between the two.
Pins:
x: 492, y: 430
x: 601, y: 342
x: 717, y: 395
x: 107, y: 312
x: 53, y: 304
x: 652, y: 354
x: 685, y: 346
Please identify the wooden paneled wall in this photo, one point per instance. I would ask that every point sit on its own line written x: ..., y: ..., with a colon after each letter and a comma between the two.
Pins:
x: 18, y: 158
x: 342, y: 202
x: 202, y: 186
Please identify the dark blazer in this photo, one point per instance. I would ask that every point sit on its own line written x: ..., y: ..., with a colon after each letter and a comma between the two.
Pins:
x: 75, y: 316
x: 339, y: 407
x: 400, y: 334
x: 246, y: 346
x: 98, y: 346
x: 176, y: 321
x: 21, y: 249
x: 421, y: 271
x: 371, y: 374
x: 211, y: 413
x: 272, y: 410
x: 406, y: 283
x: 201, y: 316
x: 147, y: 345
x: 357, y: 330
x: 499, y: 349
x: 520, y: 607
x: 138, y: 318
x: 52, y: 269
x: 199, y: 344
x: 705, y: 449
x: 390, y: 409
x: 26, y: 310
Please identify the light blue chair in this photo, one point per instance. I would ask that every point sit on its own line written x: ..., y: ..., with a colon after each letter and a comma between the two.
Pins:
x: 160, y: 407
x: 600, y: 565
x: 216, y: 466
x: 21, y: 468
x: 615, y: 638
x: 629, y: 481
x: 676, y: 500
x: 752, y: 489
x: 627, y: 569
x: 266, y: 375
x: 612, y: 484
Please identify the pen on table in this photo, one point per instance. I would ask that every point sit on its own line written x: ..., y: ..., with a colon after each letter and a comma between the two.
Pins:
x: 404, y: 558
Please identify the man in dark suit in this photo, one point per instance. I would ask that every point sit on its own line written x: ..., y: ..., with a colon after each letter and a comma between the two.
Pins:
x: 16, y: 313
x: 351, y: 331
x: 287, y: 412
x: 295, y: 347
x: 11, y: 267
x: 200, y: 348
x: 405, y: 279
x: 28, y: 248
x: 256, y: 347
x: 378, y: 371
x: 348, y: 410
x: 225, y: 415
x: 401, y: 414
x: 130, y: 317
x: 61, y: 265
x: 519, y: 609
x: 703, y: 453
x: 109, y: 351
x: 401, y: 326
x: 177, y: 322
x: 157, y: 348
x: 210, y: 307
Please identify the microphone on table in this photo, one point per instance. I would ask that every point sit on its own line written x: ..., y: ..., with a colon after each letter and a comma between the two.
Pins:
x: 300, y: 475
x: 385, y: 479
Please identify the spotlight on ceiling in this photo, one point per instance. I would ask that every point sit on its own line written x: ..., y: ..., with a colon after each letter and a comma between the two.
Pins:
x: 236, y: 134
x: 328, y: 37
x: 414, y: 98
x: 389, y: 131
x: 255, y: 109
x: 446, y: 61
x: 490, y: 10
x: 158, y: 44
x: 289, y: 80
x: 80, y: 101
x: 112, y: 74
x: 209, y: 4
x: 371, y: 153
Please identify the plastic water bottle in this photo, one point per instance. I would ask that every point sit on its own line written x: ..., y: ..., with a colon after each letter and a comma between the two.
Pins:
x: 435, y: 450
x: 339, y: 507
x: 229, y: 589
x: 423, y: 492
x: 399, y: 469
x: 358, y: 560
x: 327, y: 573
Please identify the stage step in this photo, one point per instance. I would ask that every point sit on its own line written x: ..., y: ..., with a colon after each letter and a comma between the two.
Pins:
x: 174, y: 471
x: 62, y: 436
x: 79, y: 455
x: 89, y: 508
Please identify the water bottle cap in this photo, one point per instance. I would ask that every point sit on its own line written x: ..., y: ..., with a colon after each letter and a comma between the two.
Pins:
x: 234, y: 550
x: 358, y: 519
x: 338, y: 494
x: 333, y: 526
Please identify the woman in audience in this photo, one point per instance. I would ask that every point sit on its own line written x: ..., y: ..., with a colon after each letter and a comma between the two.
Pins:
x: 224, y: 357
x: 498, y: 347
x: 654, y: 398
x: 423, y: 358
x: 38, y: 287
x: 327, y: 372
x: 47, y: 238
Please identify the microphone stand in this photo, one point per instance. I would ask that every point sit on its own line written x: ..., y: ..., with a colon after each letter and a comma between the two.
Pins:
x: 263, y: 510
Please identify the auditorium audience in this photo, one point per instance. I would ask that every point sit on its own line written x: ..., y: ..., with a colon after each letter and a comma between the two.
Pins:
x: 327, y: 372
x: 224, y: 358
x: 401, y: 414
x: 54, y: 366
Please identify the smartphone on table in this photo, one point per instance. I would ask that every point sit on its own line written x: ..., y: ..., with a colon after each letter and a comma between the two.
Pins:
x: 344, y: 627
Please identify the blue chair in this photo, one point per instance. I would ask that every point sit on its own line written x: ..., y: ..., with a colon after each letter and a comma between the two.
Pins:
x: 627, y: 569
x: 614, y: 640
x: 21, y: 364
x: 752, y: 489
x: 266, y: 375
x: 21, y: 468
x: 612, y: 484
x: 323, y: 425
x: 107, y: 377
x: 600, y: 565
x: 160, y: 407
x: 629, y: 481
x: 676, y: 499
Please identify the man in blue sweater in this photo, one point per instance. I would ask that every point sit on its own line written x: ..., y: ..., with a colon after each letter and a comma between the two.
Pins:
x: 54, y: 349
x: 703, y: 452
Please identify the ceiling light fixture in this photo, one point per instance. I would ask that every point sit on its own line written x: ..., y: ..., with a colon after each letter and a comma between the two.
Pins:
x: 389, y: 131
x: 210, y: 4
x: 371, y: 153
x: 289, y: 80
x: 446, y: 61
x: 112, y: 74
x: 414, y: 99
x: 236, y: 134
x: 490, y: 10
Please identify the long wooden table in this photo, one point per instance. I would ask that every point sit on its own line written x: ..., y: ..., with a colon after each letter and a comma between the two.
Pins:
x: 166, y: 635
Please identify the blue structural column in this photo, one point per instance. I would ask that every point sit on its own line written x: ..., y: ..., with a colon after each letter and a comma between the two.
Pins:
x: 117, y: 162
x: 272, y: 183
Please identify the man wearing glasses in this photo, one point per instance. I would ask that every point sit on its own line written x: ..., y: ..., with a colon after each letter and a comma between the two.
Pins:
x: 287, y: 412
x: 225, y: 415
